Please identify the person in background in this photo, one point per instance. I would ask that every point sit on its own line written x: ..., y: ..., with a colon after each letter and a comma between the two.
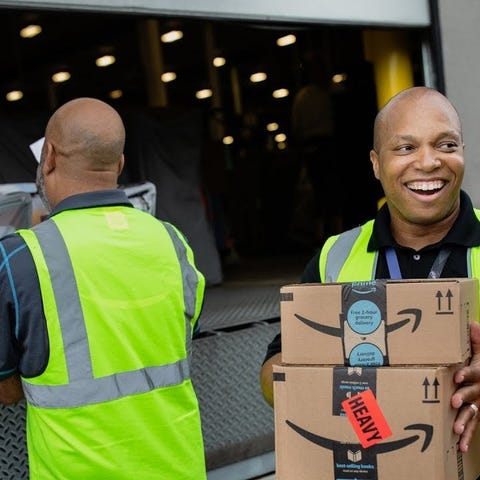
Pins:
x: 428, y: 227
x: 97, y: 307
x: 313, y: 131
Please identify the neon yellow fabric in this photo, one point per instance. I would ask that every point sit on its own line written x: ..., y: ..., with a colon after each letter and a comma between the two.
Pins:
x: 360, y: 264
x: 132, y: 299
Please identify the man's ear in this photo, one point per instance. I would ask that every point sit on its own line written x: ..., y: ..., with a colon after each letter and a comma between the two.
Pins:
x: 50, y: 162
x: 121, y: 163
x: 374, y: 160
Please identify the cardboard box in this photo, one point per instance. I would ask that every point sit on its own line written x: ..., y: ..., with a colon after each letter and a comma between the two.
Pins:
x: 315, y: 440
x: 383, y: 322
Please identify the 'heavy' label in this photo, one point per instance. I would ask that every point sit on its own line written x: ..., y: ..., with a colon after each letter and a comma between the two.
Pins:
x: 366, y: 418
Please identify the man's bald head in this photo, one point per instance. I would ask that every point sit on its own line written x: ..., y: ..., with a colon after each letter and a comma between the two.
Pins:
x: 414, y: 96
x: 83, y: 150
x: 88, y: 130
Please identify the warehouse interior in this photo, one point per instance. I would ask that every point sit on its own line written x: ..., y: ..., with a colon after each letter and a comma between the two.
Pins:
x: 233, y: 82
x: 208, y: 113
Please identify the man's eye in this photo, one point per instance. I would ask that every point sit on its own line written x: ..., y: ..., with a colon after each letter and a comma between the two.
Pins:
x: 404, y: 148
x: 448, y: 146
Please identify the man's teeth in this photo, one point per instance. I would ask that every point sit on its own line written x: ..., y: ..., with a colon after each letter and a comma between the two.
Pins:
x: 426, y: 186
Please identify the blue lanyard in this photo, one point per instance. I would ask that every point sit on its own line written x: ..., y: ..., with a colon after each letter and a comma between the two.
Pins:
x: 435, y: 271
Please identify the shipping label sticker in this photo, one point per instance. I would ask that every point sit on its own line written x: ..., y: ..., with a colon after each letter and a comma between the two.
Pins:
x: 116, y: 220
x: 366, y: 418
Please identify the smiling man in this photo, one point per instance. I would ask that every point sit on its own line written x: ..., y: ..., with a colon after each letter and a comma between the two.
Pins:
x: 428, y: 227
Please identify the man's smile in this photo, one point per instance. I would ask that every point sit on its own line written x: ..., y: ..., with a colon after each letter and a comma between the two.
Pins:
x: 424, y: 187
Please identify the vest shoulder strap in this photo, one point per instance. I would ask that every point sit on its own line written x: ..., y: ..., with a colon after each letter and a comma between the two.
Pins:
x: 344, y: 257
x: 473, y: 259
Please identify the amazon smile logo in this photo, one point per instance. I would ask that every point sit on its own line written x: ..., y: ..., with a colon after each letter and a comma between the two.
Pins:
x: 352, y: 457
x: 365, y: 338
x: 339, y: 331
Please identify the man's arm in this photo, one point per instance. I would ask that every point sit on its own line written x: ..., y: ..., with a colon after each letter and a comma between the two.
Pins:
x: 11, y: 390
x: 266, y: 377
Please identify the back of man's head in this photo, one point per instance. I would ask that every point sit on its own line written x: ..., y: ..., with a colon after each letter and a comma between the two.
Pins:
x: 83, y: 151
x: 88, y: 129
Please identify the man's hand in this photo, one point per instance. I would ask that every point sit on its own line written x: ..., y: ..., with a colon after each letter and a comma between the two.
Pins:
x: 266, y: 377
x: 11, y: 390
x: 468, y: 392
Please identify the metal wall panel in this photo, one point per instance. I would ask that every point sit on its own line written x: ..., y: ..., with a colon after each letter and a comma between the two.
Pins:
x: 460, y: 37
x: 359, y: 12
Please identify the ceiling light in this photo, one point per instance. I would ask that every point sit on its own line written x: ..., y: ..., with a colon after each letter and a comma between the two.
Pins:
x: 281, y: 145
x: 60, y: 77
x: 205, y: 93
x: 30, y: 31
x: 115, y: 94
x: 280, y: 93
x: 280, y: 137
x: 339, y: 77
x: 105, y: 61
x: 271, y: 127
x: 228, y: 140
x: 219, y: 62
x: 172, y: 36
x: 14, y: 95
x: 168, y: 77
x: 286, y: 40
x: 258, y: 77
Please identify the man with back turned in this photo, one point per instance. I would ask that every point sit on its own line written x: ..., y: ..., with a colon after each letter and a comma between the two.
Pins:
x: 97, y: 308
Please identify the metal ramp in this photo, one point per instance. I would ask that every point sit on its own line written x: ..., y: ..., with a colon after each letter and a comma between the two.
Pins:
x: 237, y: 323
x: 229, y: 306
x: 13, y: 450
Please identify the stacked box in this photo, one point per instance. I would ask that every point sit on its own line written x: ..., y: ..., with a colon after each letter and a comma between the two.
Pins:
x: 389, y: 322
x: 367, y: 376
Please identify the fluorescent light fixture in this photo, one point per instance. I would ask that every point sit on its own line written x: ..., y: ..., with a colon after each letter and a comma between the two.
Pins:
x: 286, y: 40
x: 219, y: 62
x: 115, y: 94
x: 280, y: 93
x: 60, y: 77
x: 171, y: 36
x: 30, y: 31
x: 339, y: 77
x: 272, y: 126
x: 280, y: 137
x: 14, y: 95
x: 258, y: 77
x: 205, y: 93
x: 168, y: 77
x: 105, y: 60
x: 228, y: 140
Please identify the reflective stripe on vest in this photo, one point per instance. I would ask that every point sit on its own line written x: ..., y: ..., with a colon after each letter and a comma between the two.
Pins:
x: 83, y: 388
x: 335, y: 254
x: 338, y: 254
x: 189, y: 280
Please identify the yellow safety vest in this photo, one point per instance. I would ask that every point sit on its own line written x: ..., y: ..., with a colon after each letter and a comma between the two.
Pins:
x: 344, y: 257
x: 115, y: 400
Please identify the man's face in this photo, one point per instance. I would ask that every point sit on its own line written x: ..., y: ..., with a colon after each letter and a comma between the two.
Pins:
x: 419, y: 160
